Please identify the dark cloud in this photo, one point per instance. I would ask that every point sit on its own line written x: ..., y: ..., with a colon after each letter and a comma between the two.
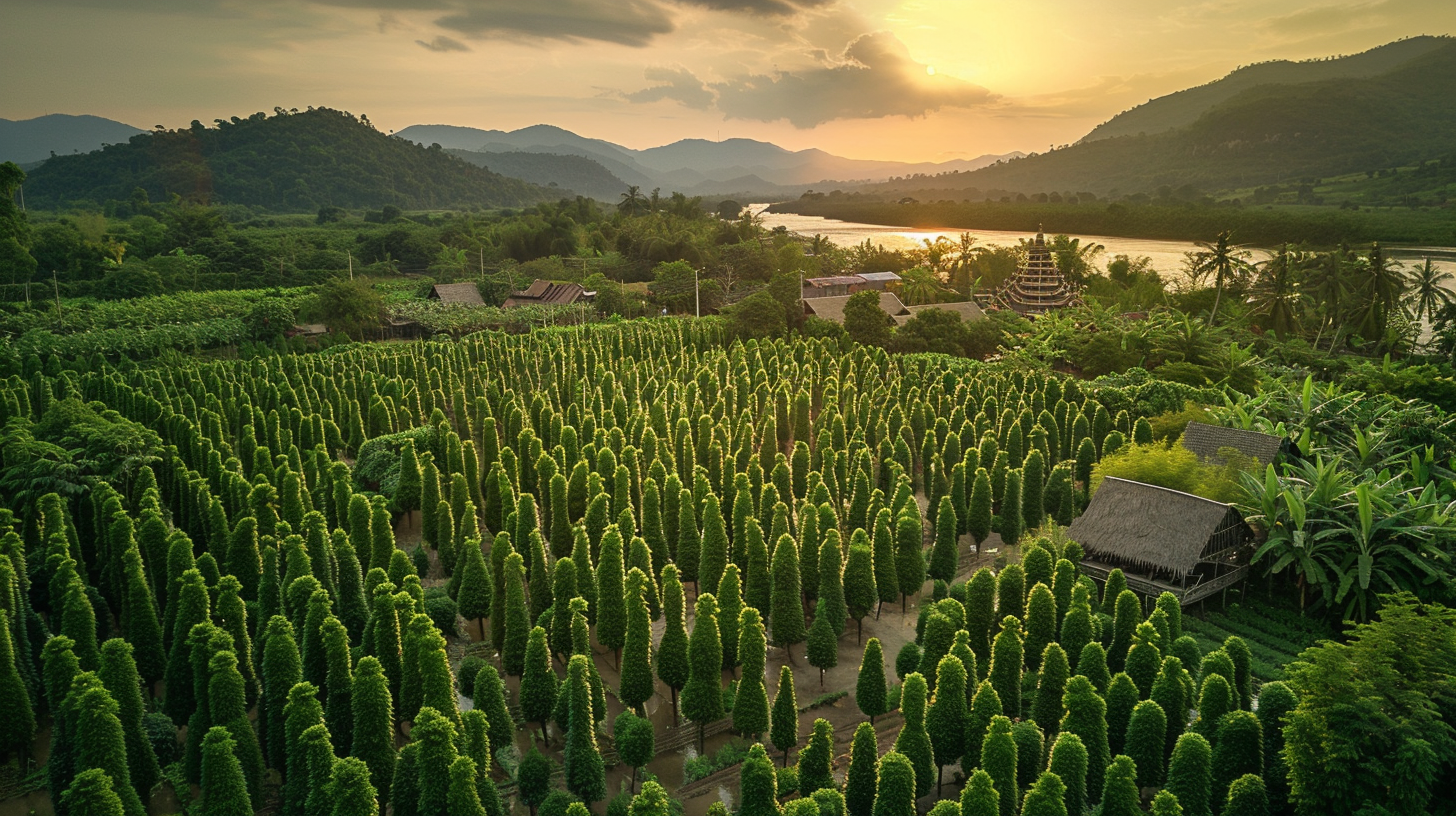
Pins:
x: 677, y: 84
x: 766, y: 7
x: 626, y: 22
x: 443, y: 44
x: 874, y: 78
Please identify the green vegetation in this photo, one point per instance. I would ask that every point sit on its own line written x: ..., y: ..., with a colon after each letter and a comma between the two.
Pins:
x: 263, y: 161
x: 233, y: 500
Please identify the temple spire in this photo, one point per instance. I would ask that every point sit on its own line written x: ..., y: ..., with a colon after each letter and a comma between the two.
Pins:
x: 1038, y: 286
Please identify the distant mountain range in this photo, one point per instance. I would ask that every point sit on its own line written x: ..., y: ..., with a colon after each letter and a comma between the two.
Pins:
x: 692, y: 166
x: 1275, y: 123
x: 32, y: 140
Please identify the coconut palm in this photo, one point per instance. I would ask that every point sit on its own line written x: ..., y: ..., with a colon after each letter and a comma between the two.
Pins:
x: 1074, y: 258
x: 1276, y: 292
x: 920, y: 285
x: 1430, y: 290
x: 633, y: 202
x: 1223, y: 259
x: 962, y: 276
x: 1327, y: 284
x: 937, y: 252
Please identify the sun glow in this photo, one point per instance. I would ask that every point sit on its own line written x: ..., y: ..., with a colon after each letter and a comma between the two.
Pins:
x: 930, y: 70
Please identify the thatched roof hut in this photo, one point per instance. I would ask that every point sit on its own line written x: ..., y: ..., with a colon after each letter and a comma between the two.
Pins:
x: 467, y: 294
x: 1157, y: 530
x: 1206, y: 441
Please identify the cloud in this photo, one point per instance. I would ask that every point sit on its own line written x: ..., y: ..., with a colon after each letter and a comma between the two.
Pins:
x: 775, y: 8
x: 1332, y: 18
x: 678, y: 84
x: 625, y: 22
x: 874, y: 78
x: 443, y: 44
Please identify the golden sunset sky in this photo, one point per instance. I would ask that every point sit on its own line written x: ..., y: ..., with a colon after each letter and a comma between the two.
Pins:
x: 915, y: 80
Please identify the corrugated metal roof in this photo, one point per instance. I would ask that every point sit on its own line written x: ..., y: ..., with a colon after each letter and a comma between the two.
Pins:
x: 548, y: 292
x: 835, y: 280
x: 888, y: 277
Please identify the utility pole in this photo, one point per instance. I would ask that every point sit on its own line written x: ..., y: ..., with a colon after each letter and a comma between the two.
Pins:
x: 56, y: 286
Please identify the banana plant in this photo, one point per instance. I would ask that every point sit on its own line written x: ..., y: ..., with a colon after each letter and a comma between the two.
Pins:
x: 1391, y: 550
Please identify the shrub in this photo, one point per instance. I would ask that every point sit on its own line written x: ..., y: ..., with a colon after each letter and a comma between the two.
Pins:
x: 1172, y: 466
x: 469, y: 668
x: 442, y: 610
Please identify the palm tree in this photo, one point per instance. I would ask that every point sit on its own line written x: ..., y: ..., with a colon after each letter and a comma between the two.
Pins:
x: 1226, y: 260
x: 1381, y: 283
x: 1430, y: 290
x: 1276, y: 293
x: 920, y: 285
x: 1074, y: 259
x: 633, y: 202
x: 1326, y: 283
x: 966, y: 254
x: 936, y: 253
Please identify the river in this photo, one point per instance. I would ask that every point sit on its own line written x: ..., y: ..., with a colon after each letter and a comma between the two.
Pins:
x: 1167, y: 256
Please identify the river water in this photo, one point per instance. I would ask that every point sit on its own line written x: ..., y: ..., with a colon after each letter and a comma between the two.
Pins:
x: 1167, y: 256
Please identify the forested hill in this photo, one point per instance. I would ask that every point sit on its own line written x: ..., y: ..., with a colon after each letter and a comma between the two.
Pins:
x: 286, y: 162
x: 1182, y: 108
x: 1264, y: 135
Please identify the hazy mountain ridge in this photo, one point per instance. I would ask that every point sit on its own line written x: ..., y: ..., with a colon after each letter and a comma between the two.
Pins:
x: 1183, y: 108
x: 27, y: 141
x: 695, y: 166
x: 286, y: 162
x: 568, y: 173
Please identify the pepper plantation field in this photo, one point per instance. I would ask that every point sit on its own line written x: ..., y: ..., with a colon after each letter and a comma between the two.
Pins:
x: 632, y: 568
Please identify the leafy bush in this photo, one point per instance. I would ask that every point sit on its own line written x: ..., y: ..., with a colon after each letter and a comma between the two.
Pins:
x: 701, y: 767
x: 469, y: 668
x: 442, y: 610
x: 1173, y: 466
x: 162, y: 734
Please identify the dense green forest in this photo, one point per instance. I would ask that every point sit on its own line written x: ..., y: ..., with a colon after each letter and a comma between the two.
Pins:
x: 1266, y: 134
x: 1182, y: 108
x: 292, y: 161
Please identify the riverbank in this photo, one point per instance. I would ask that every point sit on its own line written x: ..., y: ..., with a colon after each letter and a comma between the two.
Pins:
x: 1316, y: 226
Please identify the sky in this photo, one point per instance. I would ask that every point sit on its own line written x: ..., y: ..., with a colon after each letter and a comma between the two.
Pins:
x: 913, y: 80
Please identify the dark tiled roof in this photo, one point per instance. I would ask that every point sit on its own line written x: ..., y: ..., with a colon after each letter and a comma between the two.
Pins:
x: 832, y: 308
x: 1206, y: 440
x: 967, y: 310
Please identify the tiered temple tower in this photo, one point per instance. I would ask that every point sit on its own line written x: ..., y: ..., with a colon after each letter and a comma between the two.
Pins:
x: 1038, y: 286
